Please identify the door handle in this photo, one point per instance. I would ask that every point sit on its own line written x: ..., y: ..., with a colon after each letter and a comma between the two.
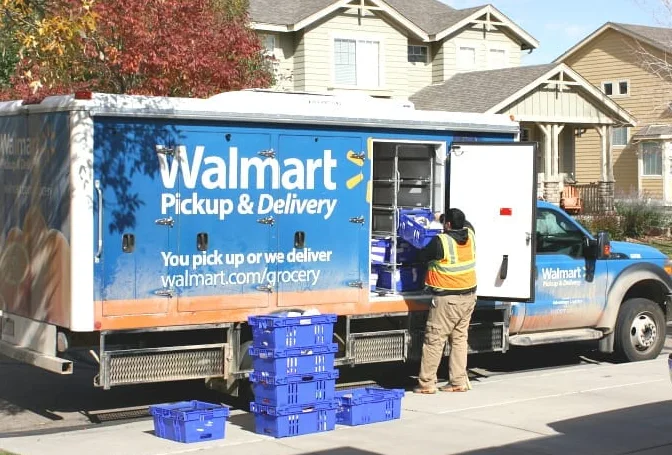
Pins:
x: 504, y: 269
x: 99, y: 190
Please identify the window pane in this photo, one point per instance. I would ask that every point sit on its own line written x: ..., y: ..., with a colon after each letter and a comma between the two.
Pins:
x: 557, y: 235
x: 345, y: 57
x: 466, y: 57
x: 652, y: 159
x: 623, y: 88
x: 619, y: 136
x: 608, y: 88
x: 367, y: 64
x: 497, y: 58
x: 417, y: 54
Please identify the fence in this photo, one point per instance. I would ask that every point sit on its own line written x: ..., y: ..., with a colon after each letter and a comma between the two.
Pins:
x: 590, y: 197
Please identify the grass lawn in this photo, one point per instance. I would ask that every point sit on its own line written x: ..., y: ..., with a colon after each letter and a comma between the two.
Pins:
x: 2, y: 452
x: 663, y: 244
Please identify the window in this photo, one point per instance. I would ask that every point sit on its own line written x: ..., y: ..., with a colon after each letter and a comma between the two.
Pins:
x: 652, y: 159
x: 608, y: 88
x: 616, y: 88
x: 497, y: 58
x: 557, y: 235
x: 619, y: 137
x: 357, y: 63
x: 466, y: 57
x: 268, y: 41
x: 417, y: 54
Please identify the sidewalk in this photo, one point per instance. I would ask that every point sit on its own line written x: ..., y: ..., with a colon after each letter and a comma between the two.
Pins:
x: 589, y: 409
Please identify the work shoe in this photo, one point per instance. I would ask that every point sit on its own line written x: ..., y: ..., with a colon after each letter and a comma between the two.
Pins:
x: 420, y: 389
x: 454, y: 388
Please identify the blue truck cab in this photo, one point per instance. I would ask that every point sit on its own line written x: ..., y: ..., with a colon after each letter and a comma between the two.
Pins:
x: 149, y: 229
x: 588, y: 287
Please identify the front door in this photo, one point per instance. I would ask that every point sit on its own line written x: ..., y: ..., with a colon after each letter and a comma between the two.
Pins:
x: 570, y: 291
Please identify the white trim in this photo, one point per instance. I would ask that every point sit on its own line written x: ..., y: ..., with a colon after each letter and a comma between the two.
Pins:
x: 418, y: 45
x: 81, y: 222
x: 269, y: 27
x: 586, y: 121
x: 608, y: 25
x: 662, y: 161
x: 522, y: 34
x: 382, y: 6
x: 627, y: 138
x: 616, y: 88
x: 478, y: 46
x: 358, y: 36
x: 496, y: 46
x: 590, y: 88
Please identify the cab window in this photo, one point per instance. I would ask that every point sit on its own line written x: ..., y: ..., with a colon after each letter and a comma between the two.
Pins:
x: 557, y: 234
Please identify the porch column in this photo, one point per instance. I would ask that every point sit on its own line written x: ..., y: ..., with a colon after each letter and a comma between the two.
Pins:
x: 606, y: 183
x: 550, y: 184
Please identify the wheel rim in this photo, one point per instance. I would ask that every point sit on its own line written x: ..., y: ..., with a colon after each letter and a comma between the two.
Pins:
x: 643, y: 331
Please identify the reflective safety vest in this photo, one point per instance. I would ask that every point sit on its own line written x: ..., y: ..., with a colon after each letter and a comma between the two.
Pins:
x: 457, y: 270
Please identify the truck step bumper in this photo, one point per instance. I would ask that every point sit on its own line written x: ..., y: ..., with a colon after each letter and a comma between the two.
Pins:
x: 558, y: 336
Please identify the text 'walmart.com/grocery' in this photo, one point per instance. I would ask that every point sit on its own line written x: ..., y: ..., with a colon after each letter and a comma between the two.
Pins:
x: 189, y: 277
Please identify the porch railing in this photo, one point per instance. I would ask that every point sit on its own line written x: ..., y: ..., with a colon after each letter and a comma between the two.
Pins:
x: 590, y: 197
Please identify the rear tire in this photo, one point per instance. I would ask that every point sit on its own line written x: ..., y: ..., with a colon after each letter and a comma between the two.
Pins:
x: 640, y: 330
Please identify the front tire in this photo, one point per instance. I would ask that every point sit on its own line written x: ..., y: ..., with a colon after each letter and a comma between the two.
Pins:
x: 640, y: 330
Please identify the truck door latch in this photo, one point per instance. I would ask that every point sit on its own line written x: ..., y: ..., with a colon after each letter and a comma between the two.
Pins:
x: 165, y: 293
x: 265, y: 288
x: 268, y: 153
x: 357, y: 219
x: 356, y: 284
x: 165, y: 221
x: 163, y: 150
x: 266, y: 220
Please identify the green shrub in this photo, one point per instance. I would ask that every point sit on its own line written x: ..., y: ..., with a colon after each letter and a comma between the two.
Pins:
x: 638, y: 217
x: 603, y: 222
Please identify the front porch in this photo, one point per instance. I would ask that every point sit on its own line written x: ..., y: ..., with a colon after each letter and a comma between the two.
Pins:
x: 558, y: 181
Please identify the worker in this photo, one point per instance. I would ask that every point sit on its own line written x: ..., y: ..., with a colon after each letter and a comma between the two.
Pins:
x: 451, y: 279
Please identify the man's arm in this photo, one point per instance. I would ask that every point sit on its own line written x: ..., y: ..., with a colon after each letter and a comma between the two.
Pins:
x: 433, y: 251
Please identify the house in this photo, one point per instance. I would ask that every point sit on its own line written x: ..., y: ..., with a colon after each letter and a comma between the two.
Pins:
x: 442, y: 58
x: 629, y: 64
x: 389, y: 48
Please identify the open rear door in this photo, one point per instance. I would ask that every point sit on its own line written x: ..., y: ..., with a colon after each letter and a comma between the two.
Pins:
x: 495, y: 185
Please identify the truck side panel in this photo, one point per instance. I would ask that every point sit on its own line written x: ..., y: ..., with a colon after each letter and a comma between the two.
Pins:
x: 35, y: 217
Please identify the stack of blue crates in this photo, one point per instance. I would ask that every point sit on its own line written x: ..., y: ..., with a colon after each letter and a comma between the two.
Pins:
x: 294, y: 378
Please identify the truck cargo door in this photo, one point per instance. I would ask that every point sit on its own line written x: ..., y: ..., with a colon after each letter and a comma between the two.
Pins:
x: 494, y: 184
x: 225, y: 238
x: 323, y: 221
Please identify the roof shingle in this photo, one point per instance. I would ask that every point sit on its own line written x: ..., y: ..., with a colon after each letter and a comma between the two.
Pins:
x: 662, y: 36
x: 477, y: 91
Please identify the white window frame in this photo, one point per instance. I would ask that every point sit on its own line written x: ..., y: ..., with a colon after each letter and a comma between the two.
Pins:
x: 616, y: 88
x: 491, y: 47
x: 408, y: 48
x: 358, y: 37
x: 627, y: 137
x: 265, y: 38
x: 661, y: 149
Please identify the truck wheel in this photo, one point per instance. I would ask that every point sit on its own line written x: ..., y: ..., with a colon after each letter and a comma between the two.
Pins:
x: 640, y: 330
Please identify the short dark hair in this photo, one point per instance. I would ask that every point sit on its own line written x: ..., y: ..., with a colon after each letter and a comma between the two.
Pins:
x: 456, y: 218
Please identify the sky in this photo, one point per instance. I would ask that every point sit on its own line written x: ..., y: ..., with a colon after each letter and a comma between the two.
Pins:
x: 559, y: 25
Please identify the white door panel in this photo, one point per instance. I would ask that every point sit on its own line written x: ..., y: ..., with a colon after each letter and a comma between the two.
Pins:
x: 495, y: 186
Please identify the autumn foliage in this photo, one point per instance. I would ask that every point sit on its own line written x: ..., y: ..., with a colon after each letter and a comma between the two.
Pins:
x: 153, y: 47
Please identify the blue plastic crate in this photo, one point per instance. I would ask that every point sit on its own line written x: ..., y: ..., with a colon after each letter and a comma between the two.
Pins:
x: 293, y: 390
x: 292, y: 361
x: 189, y: 421
x: 408, y: 278
x: 294, y: 420
x: 368, y: 405
x: 373, y: 277
x: 379, y: 250
x: 412, y: 231
x: 279, y: 331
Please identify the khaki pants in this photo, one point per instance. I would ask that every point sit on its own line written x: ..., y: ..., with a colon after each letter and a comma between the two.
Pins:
x: 448, y: 319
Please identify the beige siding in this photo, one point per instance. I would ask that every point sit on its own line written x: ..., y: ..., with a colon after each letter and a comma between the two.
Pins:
x: 438, y: 61
x: 318, y: 44
x: 299, y: 75
x: 483, y: 43
x: 548, y: 102
x: 652, y: 187
x: 612, y: 57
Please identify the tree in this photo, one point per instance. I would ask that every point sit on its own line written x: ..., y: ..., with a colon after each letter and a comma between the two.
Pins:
x: 153, y: 47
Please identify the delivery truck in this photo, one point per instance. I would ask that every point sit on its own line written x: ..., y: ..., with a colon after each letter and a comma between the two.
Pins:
x: 146, y: 230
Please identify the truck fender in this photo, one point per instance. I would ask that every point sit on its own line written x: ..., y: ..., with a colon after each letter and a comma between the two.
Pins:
x: 619, y: 288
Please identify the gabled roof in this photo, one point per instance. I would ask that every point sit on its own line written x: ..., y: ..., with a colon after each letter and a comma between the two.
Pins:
x: 658, y: 37
x: 493, y: 90
x: 477, y: 91
x: 430, y: 20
